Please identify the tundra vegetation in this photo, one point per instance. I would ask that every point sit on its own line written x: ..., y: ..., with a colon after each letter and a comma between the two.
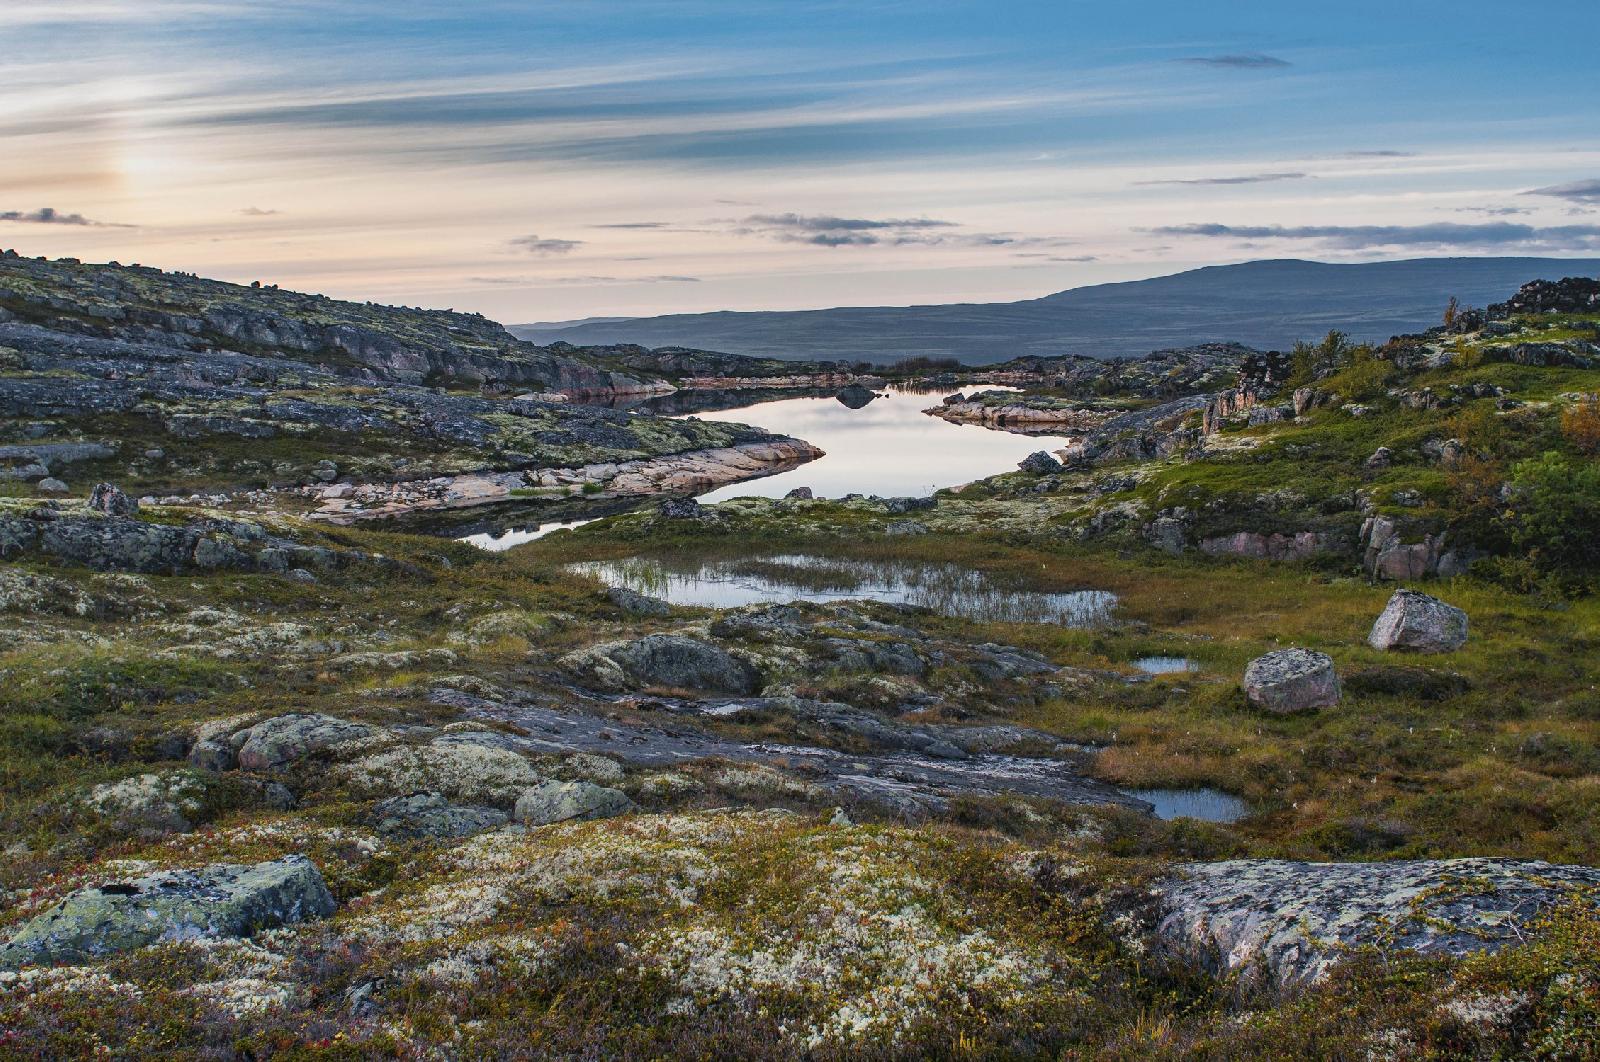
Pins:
x: 390, y: 795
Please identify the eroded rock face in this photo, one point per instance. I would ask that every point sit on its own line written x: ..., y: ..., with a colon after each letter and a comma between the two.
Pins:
x: 551, y: 802
x: 1286, y: 921
x: 1292, y: 680
x: 1420, y: 623
x: 222, y: 900
x: 669, y: 660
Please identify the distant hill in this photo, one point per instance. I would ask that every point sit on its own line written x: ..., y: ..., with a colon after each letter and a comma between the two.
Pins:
x: 1267, y: 304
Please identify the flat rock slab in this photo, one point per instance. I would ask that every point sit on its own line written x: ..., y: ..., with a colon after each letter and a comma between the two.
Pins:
x: 1291, y: 922
x: 222, y: 900
x: 1420, y: 623
x: 906, y: 780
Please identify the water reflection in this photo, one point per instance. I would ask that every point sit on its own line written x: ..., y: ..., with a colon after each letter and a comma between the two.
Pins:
x: 948, y: 589
x: 1207, y: 805
x: 498, y: 541
x: 889, y: 447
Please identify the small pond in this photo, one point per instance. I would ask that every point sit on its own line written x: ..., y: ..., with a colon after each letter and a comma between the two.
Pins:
x: 948, y: 589
x: 1207, y: 805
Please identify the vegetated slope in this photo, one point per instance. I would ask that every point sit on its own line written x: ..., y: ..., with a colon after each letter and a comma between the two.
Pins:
x: 1263, y: 304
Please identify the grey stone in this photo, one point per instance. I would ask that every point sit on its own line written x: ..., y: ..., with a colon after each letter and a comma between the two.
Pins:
x: 167, y: 802
x: 551, y: 802
x: 111, y: 500
x: 1382, y: 457
x: 52, y: 485
x: 431, y: 815
x: 1292, y: 680
x: 1418, y: 622
x: 286, y: 738
x: 803, y: 493
x: 1288, y: 922
x: 670, y: 660
x: 1040, y: 463
x: 637, y: 603
x: 221, y: 900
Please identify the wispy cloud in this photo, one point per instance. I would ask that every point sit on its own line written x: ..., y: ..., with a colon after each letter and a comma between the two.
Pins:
x: 258, y: 212
x: 1361, y: 237
x: 541, y: 245
x: 823, y: 230
x: 1249, y: 178
x: 1577, y: 192
x: 632, y: 225
x: 52, y: 216
x: 1494, y: 211
x: 1244, y: 61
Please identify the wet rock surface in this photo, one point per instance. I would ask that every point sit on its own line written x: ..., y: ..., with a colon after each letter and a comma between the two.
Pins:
x: 1290, y: 922
x: 213, y: 901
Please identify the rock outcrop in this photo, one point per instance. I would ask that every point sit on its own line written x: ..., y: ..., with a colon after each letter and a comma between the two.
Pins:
x: 664, y: 660
x: 1385, y: 554
x: 431, y: 815
x: 222, y: 900
x: 1420, y: 623
x: 1290, y: 923
x: 1300, y: 546
x: 551, y: 802
x: 1292, y: 680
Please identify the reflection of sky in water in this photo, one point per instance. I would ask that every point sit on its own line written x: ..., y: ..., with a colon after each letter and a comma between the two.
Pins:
x: 1164, y: 665
x: 888, y: 447
x: 945, y: 588
x: 1208, y: 805
x: 495, y: 541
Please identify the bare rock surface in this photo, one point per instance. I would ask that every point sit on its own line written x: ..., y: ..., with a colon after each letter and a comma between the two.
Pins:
x: 1420, y: 623
x: 222, y: 900
x: 672, y: 660
x: 1290, y: 922
x: 1292, y: 680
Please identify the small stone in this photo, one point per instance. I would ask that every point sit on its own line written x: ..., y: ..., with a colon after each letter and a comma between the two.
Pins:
x: 1420, y: 623
x: 1292, y: 680
x: 52, y: 485
x: 111, y: 500
x: 155, y: 453
x: 637, y: 603
x: 801, y: 493
x: 551, y: 802
x: 1382, y: 457
x: 839, y: 818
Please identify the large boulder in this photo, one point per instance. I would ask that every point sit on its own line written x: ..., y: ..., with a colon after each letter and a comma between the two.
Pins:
x: 669, y: 660
x: 222, y: 900
x: 1289, y: 923
x: 286, y: 738
x: 1420, y: 623
x: 1292, y: 680
x: 551, y: 802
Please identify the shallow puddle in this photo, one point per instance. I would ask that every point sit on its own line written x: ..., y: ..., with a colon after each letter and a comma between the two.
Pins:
x: 947, y: 589
x: 1165, y: 665
x: 1207, y: 805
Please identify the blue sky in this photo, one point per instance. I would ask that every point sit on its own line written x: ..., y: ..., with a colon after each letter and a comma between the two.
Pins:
x: 545, y: 160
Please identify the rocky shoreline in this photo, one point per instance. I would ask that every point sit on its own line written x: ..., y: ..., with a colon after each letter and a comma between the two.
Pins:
x: 693, y: 472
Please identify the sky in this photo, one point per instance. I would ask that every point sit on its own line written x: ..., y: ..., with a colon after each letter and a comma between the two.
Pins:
x: 537, y: 160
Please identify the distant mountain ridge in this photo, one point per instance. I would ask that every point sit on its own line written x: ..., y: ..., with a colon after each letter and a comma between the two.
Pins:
x: 1264, y: 304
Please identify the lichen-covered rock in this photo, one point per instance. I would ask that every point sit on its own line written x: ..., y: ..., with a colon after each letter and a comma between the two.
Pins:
x: 111, y: 500
x: 637, y: 603
x: 551, y: 802
x: 222, y: 900
x: 1420, y: 623
x: 463, y: 767
x: 167, y: 802
x: 668, y: 660
x: 286, y: 738
x: 1287, y: 921
x: 431, y: 815
x: 1292, y: 680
